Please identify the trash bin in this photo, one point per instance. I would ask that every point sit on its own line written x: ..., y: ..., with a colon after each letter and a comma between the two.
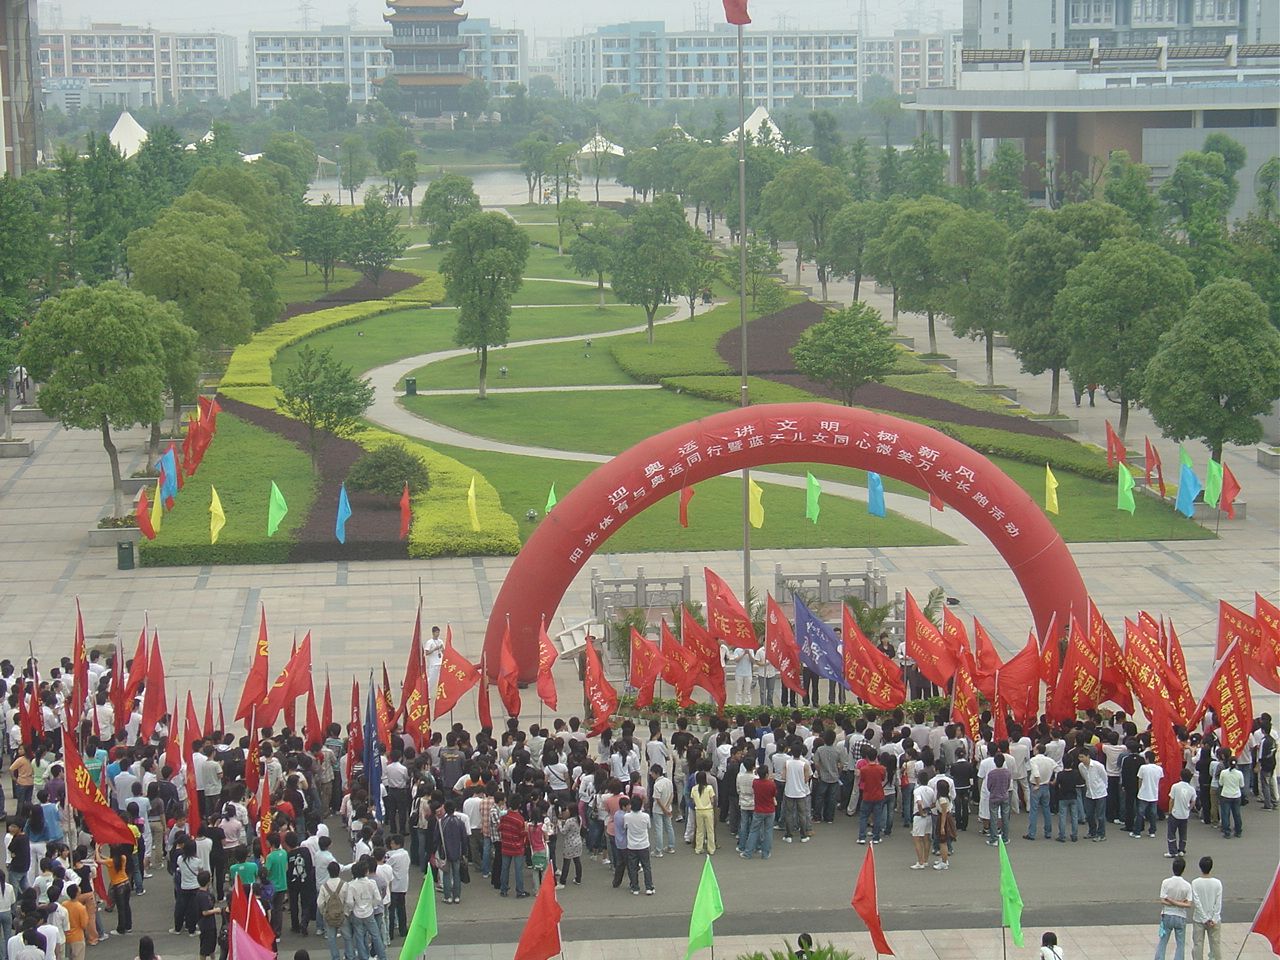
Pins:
x: 410, y: 386
x: 124, y: 555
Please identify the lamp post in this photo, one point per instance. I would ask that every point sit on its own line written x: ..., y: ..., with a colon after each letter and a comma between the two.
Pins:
x: 742, y: 307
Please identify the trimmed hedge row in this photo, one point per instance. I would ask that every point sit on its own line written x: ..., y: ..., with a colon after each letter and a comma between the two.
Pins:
x: 668, y: 709
x: 726, y: 389
x: 943, y: 387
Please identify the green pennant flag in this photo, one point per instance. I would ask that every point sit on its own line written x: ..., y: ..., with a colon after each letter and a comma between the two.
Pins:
x: 551, y: 499
x: 707, y: 908
x: 1185, y: 457
x: 1009, y: 897
x: 1213, y: 483
x: 422, y: 928
x: 813, y: 490
x: 1124, y: 490
x: 276, y: 509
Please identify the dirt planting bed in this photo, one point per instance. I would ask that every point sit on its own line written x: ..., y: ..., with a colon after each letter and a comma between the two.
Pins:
x: 391, y: 283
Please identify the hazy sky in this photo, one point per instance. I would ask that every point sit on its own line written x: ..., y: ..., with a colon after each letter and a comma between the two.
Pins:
x: 545, y: 18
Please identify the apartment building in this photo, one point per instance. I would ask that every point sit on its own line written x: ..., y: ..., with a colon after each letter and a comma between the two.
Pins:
x: 281, y: 60
x: 199, y: 66
x: 909, y: 59
x: 497, y: 56
x: 661, y: 66
x: 19, y: 88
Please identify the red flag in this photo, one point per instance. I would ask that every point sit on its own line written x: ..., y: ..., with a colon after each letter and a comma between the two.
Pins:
x: 735, y: 11
x: 508, y: 675
x: 1079, y: 686
x: 415, y: 667
x: 290, y: 703
x: 405, y: 511
x: 188, y: 445
x: 1228, y: 695
x: 483, y: 710
x: 79, y: 674
x: 1267, y: 922
x: 1154, y: 464
x: 1179, y: 682
x: 934, y: 657
x: 866, y: 901
x: 290, y: 685
x: 266, y: 817
x: 118, y: 700
x: 208, y: 709
x: 956, y: 637
x: 355, y: 736
x: 1230, y: 490
x: 869, y: 673
x: 1164, y: 743
x: 85, y: 796
x: 383, y: 712
x: 137, y: 674
x: 142, y: 512
x: 247, y: 913
x: 986, y: 663
x: 601, y: 695
x: 646, y: 665
x: 1017, y: 683
x: 174, y: 752
x: 935, y: 501
x: 678, y: 666
x: 726, y: 619
x: 254, y: 693
x: 252, y: 760
x: 153, y: 701
x: 1116, y: 453
x: 1147, y: 668
x: 417, y: 714
x: 710, y: 671
x: 1258, y: 653
x: 541, y: 937
x: 315, y: 732
x: 546, y: 661
x: 326, y: 709
x: 1050, y: 658
x: 780, y: 646
x: 964, y: 699
x: 191, y: 728
x: 1114, y: 678
x: 457, y: 676
x: 686, y: 494
x: 193, y: 801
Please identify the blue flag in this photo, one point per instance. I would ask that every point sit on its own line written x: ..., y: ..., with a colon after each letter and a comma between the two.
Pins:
x: 372, y: 758
x: 820, y: 649
x: 875, y: 495
x: 344, y: 514
x: 169, y: 464
x: 1189, y: 488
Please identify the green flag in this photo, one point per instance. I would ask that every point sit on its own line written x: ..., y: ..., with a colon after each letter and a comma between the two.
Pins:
x: 707, y: 907
x: 813, y: 491
x: 422, y: 928
x: 1009, y: 896
x: 1213, y: 483
x: 1124, y: 489
x: 551, y: 499
x: 1185, y: 457
x: 276, y: 509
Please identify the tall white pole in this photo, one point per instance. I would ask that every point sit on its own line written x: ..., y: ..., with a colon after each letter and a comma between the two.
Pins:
x: 742, y: 306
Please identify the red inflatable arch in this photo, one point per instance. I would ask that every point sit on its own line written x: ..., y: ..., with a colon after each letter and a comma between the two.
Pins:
x: 779, y: 433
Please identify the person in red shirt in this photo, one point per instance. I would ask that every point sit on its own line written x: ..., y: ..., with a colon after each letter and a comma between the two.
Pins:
x: 514, y: 835
x: 871, y: 780
x: 765, y: 791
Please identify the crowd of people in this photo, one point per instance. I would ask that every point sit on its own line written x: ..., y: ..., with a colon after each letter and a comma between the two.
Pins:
x: 513, y: 803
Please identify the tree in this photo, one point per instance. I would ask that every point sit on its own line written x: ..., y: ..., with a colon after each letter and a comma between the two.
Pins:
x: 474, y: 99
x: 448, y: 200
x: 1040, y: 254
x: 1217, y: 369
x: 324, y: 395
x: 374, y: 239
x: 353, y: 162
x: 26, y: 259
x: 295, y: 152
x: 483, y: 269
x: 653, y: 256
x: 861, y: 177
x: 515, y: 105
x: 968, y: 250
x: 852, y: 228
x: 1199, y: 186
x: 924, y: 168
x: 1004, y: 183
x: 762, y: 263
x: 888, y: 173
x: 388, y: 145
x: 111, y: 206
x: 1233, y: 159
x: 845, y: 350
x: 1127, y: 187
x: 179, y: 361
x: 563, y: 173
x: 1255, y: 259
x: 1118, y: 301
x: 97, y: 351
x: 827, y: 145
x: 265, y: 211
x: 534, y: 155
x: 322, y: 239
x: 917, y: 283
x: 164, y: 170
x: 404, y: 179
x: 702, y: 271
x: 1267, y: 188
x: 799, y: 205
x: 593, y: 250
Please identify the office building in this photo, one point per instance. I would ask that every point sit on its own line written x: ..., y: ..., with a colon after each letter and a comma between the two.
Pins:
x: 497, y: 56
x: 179, y: 66
x: 426, y: 53
x: 282, y: 60
x: 70, y: 94
x: 19, y: 88
x: 909, y: 59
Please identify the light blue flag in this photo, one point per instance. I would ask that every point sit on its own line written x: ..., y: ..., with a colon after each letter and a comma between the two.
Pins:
x: 875, y: 495
x: 1189, y: 488
x: 820, y: 648
x: 169, y: 464
x: 344, y: 513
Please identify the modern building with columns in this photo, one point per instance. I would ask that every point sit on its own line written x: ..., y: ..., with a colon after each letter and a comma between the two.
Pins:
x: 1071, y: 108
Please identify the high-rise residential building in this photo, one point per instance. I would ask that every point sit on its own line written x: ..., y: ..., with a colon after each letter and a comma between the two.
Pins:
x: 1056, y: 24
x: 657, y: 65
x: 426, y: 53
x: 282, y: 60
x: 495, y: 55
x: 19, y: 88
x: 909, y: 59
x: 199, y: 66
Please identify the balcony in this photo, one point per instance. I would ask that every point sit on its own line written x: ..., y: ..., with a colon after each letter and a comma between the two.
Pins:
x: 398, y: 41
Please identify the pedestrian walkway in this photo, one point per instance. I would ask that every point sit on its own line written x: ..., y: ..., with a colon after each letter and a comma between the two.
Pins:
x: 596, y: 388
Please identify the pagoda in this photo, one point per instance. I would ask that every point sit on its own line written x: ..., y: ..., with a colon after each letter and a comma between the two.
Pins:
x: 426, y: 53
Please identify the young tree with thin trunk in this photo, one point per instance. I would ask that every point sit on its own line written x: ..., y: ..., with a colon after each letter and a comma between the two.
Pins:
x: 324, y: 395
x: 845, y: 350
x: 968, y: 250
x: 653, y: 256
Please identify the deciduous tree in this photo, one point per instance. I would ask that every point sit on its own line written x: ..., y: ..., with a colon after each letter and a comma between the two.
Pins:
x: 374, y: 239
x: 653, y: 256
x: 799, y: 205
x: 845, y: 350
x: 324, y: 395
x: 448, y: 200
x: 968, y: 250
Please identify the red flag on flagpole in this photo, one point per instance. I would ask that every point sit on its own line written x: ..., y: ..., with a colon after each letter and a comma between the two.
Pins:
x: 679, y: 666
x: 85, y: 796
x: 457, y: 676
x: 1255, y: 646
x: 727, y: 620
x: 191, y: 727
x: 265, y: 817
x: 541, y: 937
x: 934, y: 657
x: 208, y: 709
x: 153, y: 700
x: 986, y: 661
x: 79, y: 674
x: 1116, y: 453
x: 866, y: 900
x: 735, y: 11
x: 686, y: 494
x: 1179, y: 682
x: 142, y: 512
x: 871, y: 675
x: 137, y: 673
x: 780, y: 647
x: 646, y: 665
x: 964, y: 699
x: 546, y: 661
x: 1154, y: 465
x: 1267, y: 922
x: 508, y: 675
x: 1115, y: 679
x: 483, y: 711
x: 405, y: 512
x: 710, y: 671
x: 290, y: 685
x: 415, y: 667
x: 601, y: 695
x: 1230, y: 490
x: 326, y: 709
x: 1229, y: 697
x: 251, y: 760
x: 255, y: 684
x: 315, y: 733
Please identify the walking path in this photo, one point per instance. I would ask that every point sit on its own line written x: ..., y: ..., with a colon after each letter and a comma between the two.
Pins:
x: 596, y: 388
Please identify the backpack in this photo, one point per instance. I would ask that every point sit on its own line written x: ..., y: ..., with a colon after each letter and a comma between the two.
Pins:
x: 334, y: 912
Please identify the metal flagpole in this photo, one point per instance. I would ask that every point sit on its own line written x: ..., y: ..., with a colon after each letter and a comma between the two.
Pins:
x: 742, y: 307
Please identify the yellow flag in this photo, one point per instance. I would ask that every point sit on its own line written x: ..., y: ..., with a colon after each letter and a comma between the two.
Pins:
x: 1050, y: 491
x: 217, y: 519
x: 756, y: 513
x: 157, y: 509
x: 471, y: 506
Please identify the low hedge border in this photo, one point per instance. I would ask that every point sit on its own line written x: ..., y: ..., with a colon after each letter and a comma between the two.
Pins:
x: 668, y: 710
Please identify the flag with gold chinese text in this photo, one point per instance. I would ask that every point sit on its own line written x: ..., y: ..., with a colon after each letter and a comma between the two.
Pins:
x: 934, y: 657
x: 1259, y: 654
x: 646, y: 667
x: 871, y: 675
x: 780, y: 647
x: 727, y: 621
x: 1229, y: 698
x: 86, y: 798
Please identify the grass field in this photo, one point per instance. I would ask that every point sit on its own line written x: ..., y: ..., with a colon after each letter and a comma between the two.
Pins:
x: 548, y: 365
x: 296, y: 287
x: 715, y: 513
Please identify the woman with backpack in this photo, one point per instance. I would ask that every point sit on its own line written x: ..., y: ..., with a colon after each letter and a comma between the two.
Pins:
x: 333, y: 910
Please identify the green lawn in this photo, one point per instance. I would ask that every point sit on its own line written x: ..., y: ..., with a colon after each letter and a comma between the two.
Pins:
x: 547, y: 263
x: 532, y: 212
x: 715, y: 513
x: 548, y: 365
x: 542, y: 292
x: 295, y: 286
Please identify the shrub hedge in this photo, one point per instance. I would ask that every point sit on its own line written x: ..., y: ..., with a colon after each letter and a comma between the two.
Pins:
x: 668, y: 709
x: 943, y: 387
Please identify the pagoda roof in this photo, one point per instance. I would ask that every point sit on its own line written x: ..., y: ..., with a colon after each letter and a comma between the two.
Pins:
x: 424, y: 16
x: 432, y: 79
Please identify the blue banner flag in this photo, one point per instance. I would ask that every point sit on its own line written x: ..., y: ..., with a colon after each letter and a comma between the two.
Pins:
x: 875, y: 495
x: 1189, y: 488
x: 820, y: 649
x: 344, y: 514
x: 169, y: 465
x: 372, y: 758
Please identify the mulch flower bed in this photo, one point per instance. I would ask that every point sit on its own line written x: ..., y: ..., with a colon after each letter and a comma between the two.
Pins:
x: 391, y: 282
x: 373, y: 530
x: 769, y: 357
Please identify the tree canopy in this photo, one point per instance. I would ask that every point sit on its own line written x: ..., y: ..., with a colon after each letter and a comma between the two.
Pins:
x: 845, y: 350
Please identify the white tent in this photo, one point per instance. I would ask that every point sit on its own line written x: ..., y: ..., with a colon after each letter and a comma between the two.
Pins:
x: 598, y: 146
x: 758, y: 119
x: 127, y: 135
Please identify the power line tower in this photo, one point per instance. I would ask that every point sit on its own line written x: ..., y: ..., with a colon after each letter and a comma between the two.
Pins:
x: 702, y: 16
x: 353, y: 15
x: 304, y: 13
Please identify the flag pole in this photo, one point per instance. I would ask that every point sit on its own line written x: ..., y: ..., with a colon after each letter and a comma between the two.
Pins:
x: 742, y: 307
x: 1004, y: 942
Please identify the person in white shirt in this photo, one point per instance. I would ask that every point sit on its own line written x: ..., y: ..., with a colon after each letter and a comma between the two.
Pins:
x: 1149, y: 776
x: 362, y: 898
x: 1176, y: 903
x: 1206, y: 916
x: 636, y: 823
x: 398, y: 862
x: 1182, y: 797
x: 434, y: 650
x: 768, y: 675
x: 1040, y: 771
